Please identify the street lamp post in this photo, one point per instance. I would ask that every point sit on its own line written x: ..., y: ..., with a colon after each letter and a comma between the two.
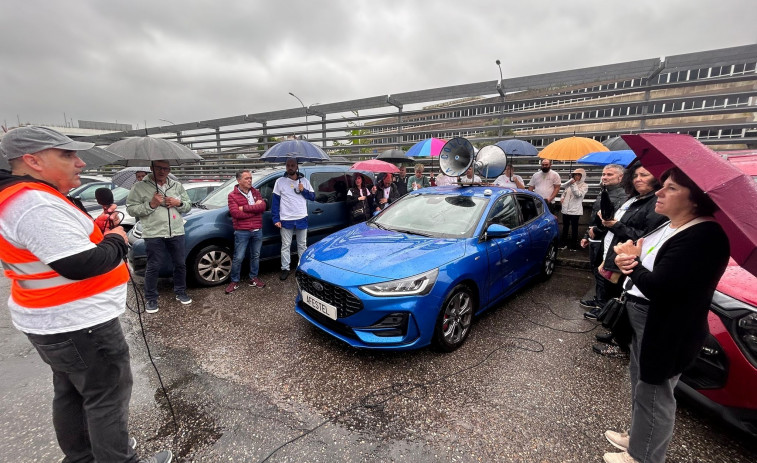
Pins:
x: 501, y: 92
x: 303, y: 107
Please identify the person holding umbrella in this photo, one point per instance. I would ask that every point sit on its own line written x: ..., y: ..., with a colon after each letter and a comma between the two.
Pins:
x: 158, y: 202
x: 510, y: 179
x: 401, y: 181
x: 289, y: 212
x: 69, y: 288
x: 672, y: 272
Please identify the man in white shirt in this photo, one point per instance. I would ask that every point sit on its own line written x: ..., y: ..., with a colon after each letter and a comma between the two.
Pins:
x: 469, y: 177
x: 546, y: 183
x: 69, y: 287
x: 509, y: 179
x: 289, y: 212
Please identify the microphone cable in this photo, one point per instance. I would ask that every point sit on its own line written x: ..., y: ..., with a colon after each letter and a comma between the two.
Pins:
x: 139, y: 310
x: 380, y: 396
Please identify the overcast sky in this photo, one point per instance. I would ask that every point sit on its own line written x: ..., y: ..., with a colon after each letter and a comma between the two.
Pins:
x: 184, y: 61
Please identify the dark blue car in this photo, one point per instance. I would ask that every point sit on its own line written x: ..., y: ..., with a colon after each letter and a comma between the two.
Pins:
x: 210, y: 237
x: 417, y: 273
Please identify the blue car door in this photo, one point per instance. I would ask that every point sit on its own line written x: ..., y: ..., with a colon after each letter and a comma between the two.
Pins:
x: 538, y: 225
x: 507, y: 254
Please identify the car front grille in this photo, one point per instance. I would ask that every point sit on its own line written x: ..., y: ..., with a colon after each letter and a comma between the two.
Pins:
x: 345, y: 302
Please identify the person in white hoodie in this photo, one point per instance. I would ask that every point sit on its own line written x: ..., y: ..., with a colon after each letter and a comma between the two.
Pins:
x: 572, y: 207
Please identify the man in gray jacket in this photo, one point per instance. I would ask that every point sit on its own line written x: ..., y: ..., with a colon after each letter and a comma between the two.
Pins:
x: 158, y: 202
x: 612, y: 174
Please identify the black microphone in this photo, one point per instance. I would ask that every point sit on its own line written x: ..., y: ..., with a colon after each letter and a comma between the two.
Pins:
x: 104, y: 197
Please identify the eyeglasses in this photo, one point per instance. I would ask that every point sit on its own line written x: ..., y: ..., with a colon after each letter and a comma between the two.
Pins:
x: 162, y: 169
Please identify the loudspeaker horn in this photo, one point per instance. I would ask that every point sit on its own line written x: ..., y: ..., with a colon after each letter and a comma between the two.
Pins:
x: 490, y: 161
x: 456, y: 157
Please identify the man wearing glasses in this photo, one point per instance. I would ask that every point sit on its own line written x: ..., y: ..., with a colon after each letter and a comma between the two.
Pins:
x: 158, y: 202
x: 546, y: 183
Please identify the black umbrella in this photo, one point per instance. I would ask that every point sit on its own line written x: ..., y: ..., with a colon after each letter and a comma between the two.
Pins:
x: 393, y: 156
x: 616, y: 144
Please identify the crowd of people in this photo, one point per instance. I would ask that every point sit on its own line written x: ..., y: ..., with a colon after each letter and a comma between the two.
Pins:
x: 659, y: 250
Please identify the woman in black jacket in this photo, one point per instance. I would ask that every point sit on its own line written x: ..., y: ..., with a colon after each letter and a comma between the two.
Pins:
x: 359, y: 200
x: 634, y: 219
x: 673, y: 273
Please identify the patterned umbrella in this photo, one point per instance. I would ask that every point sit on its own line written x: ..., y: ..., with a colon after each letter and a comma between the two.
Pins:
x: 427, y: 147
x: 126, y: 178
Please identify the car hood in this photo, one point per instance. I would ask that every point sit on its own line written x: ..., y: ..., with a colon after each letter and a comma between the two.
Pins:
x: 383, y: 253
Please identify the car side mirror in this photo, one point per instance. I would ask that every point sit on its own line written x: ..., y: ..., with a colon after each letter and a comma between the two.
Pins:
x: 496, y: 230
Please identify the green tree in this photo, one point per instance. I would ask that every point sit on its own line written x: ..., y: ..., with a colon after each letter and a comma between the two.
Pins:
x: 354, y: 132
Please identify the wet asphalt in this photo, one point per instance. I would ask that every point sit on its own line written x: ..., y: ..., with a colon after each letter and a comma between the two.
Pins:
x: 250, y: 381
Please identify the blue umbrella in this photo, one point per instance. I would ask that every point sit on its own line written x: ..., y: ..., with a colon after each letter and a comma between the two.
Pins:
x: 602, y: 158
x: 515, y: 147
x: 300, y: 150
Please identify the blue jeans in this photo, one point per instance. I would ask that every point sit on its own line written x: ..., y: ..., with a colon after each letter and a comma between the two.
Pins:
x: 92, y: 385
x: 246, y: 242
x: 158, y: 251
x: 286, y: 244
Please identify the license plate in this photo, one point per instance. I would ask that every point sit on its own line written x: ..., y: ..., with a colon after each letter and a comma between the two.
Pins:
x: 323, y: 307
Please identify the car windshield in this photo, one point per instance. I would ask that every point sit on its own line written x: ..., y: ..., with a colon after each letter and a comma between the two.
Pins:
x: 220, y: 196
x: 434, y: 215
x: 120, y: 194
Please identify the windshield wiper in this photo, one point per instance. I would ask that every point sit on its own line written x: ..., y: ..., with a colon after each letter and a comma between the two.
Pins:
x: 412, y: 232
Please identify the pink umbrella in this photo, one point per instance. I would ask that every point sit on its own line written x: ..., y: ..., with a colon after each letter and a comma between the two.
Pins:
x: 375, y: 165
x: 734, y: 192
x: 425, y: 148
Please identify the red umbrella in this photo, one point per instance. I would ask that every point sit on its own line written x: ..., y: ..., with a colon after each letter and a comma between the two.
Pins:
x: 734, y: 192
x: 375, y: 165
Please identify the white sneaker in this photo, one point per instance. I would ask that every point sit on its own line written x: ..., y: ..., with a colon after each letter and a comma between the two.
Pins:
x: 620, y: 457
x: 618, y: 439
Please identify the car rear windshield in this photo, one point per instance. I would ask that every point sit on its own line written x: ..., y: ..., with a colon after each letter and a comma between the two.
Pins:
x: 443, y: 216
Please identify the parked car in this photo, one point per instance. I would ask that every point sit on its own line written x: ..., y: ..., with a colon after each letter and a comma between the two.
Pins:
x: 723, y: 379
x: 209, y: 236
x: 86, y: 191
x: 418, y: 272
x: 89, y: 178
x: 119, y: 199
x: 198, y: 191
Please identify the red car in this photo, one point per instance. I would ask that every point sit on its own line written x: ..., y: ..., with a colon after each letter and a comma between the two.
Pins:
x: 723, y: 379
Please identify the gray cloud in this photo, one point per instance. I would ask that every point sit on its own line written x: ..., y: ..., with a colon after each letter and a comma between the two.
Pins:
x: 142, y: 61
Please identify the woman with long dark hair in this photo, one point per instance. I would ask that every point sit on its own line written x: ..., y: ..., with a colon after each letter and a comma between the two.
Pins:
x: 673, y: 272
x: 359, y: 200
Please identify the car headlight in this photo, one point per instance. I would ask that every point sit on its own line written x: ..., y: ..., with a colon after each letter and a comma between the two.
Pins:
x: 416, y: 285
x: 747, y: 332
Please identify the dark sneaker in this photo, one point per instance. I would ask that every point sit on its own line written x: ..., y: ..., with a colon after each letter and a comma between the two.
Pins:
x: 184, y: 299
x: 592, y: 314
x: 589, y: 304
x: 164, y: 456
x: 609, y: 350
x: 284, y: 275
x: 605, y: 338
x: 132, y: 443
x: 257, y: 282
x: 233, y: 286
x: 151, y: 306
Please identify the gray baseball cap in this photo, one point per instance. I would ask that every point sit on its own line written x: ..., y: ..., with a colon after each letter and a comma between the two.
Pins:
x: 33, y: 139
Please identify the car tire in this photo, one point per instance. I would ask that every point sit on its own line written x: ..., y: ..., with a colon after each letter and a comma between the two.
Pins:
x: 454, y: 321
x: 549, y: 262
x: 211, y: 265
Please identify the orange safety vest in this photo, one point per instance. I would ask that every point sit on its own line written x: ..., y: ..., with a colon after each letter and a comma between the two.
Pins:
x: 34, y: 284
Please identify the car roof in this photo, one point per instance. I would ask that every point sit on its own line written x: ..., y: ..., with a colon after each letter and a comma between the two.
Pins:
x: 482, y: 191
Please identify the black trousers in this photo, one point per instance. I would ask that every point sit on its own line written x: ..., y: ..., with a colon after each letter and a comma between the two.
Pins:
x: 570, y: 222
x: 92, y: 384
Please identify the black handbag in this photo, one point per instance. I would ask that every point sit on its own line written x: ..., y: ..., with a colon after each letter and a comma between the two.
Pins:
x: 614, y: 317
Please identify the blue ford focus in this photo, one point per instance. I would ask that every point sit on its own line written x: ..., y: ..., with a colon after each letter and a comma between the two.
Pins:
x: 417, y: 273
